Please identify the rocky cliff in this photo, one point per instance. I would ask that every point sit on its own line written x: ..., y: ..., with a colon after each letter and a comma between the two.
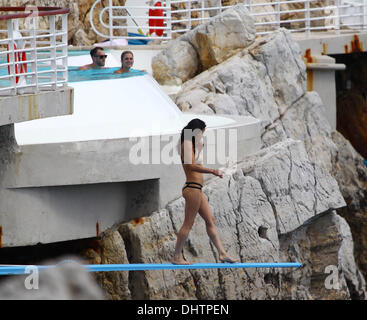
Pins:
x: 301, y: 198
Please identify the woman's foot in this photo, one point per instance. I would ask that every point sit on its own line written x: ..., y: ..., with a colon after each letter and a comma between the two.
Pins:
x: 179, y: 261
x: 225, y: 258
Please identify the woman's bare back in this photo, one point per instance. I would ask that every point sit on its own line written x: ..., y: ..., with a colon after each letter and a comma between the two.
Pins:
x: 188, y: 159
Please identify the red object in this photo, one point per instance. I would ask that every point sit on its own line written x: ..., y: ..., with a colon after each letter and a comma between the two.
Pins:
x: 41, y: 12
x: 156, y: 22
x: 19, y: 68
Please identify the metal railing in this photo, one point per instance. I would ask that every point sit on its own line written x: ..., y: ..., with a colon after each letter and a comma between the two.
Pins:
x: 33, y: 58
x: 180, y: 16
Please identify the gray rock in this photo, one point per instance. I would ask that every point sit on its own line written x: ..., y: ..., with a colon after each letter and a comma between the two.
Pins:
x: 67, y: 281
x: 205, y: 46
x: 176, y: 64
x: 351, y: 174
x: 269, y: 194
x: 263, y: 81
x: 296, y: 188
x: 325, y: 248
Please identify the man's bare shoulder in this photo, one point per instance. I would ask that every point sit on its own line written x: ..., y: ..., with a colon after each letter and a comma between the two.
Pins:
x: 86, y: 67
x: 83, y: 68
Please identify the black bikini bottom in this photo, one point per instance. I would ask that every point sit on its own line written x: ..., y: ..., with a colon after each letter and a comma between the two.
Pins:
x: 192, y: 185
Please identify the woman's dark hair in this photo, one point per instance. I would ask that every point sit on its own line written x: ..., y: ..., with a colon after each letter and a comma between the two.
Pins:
x: 191, y: 130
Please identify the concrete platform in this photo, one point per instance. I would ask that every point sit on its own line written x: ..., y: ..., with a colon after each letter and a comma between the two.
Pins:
x: 113, y: 160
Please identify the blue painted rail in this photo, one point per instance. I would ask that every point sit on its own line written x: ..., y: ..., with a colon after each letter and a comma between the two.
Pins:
x: 21, y: 269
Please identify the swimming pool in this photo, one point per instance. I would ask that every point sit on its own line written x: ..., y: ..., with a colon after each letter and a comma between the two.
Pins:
x: 111, y: 106
x: 75, y: 60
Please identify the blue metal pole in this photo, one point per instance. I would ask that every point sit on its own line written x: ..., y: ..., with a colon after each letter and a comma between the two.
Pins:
x: 8, y: 270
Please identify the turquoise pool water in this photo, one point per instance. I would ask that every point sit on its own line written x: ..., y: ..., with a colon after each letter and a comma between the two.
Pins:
x: 75, y: 75
x: 100, y: 74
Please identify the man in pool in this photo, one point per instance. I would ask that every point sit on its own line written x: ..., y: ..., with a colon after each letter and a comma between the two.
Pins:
x: 98, y: 57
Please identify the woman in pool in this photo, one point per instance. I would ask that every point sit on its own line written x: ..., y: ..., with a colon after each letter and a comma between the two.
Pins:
x: 127, y: 61
x: 196, y: 201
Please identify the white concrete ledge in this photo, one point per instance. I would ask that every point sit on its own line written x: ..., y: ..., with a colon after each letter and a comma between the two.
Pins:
x: 326, y: 66
x: 20, y: 108
x: 329, y: 43
x: 58, y: 192
x: 110, y: 160
x: 73, y: 177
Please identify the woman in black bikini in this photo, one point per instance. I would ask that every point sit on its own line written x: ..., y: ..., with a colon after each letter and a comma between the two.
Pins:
x: 195, y: 200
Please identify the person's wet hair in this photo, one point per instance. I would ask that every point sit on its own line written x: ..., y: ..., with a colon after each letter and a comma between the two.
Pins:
x: 191, y: 130
x: 124, y: 53
x: 94, y: 51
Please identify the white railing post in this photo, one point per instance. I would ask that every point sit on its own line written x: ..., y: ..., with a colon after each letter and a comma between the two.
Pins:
x: 273, y: 18
x: 307, y: 16
x: 337, y: 18
x: 110, y: 19
x: 33, y: 52
x: 249, y: 5
x: 64, y: 31
x: 188, y: 15
x: 202, y: 12
x: 53, y: 52
x: 219, y: 4
x: 168, y: 19
x: 277, y: 13
x: 12, y: 56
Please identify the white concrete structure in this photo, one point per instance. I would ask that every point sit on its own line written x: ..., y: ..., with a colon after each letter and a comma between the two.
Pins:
x: 74, y: 176
x: 114, y: 159
x: 321, y: 67
x: 321, y: 78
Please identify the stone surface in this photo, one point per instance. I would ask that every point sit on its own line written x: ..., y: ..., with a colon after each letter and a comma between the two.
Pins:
x: 68, y: 281
x: 205, y: 46
x: 296, y: 188
x: 292, y: 201
x: 223, y: 35
x: 288, y: 111
x: 257, y: 203
x: 280, y: 202
x: 176, y: 64
x: 325, y: 247
x: 263, y: 81
x: 115, y: 283
x: 351, y: 174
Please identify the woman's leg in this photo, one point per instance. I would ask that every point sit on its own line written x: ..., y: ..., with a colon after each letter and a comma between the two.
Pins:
x: 211, y: 229
x: 192, y: 205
